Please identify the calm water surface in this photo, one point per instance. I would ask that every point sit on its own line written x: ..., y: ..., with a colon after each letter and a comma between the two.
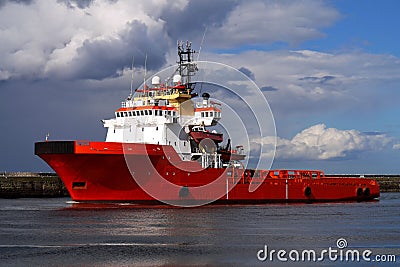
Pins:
x: 55, y: 232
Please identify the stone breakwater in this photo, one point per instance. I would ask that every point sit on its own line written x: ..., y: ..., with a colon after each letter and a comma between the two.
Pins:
x: 388, y: 184
x: 32, y: 184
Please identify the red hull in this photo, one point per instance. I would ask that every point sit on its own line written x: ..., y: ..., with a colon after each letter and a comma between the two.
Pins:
x: 98, y: 171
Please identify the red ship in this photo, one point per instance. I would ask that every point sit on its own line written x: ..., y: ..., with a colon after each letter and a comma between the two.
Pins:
x: 158, y: 150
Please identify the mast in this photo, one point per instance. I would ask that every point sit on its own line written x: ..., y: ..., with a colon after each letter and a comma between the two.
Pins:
x: 131, y: 94
x: 144, y: 76
x: 186, y: 67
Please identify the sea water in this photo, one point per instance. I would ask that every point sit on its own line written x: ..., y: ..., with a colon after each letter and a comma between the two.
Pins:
x: 59, y: 232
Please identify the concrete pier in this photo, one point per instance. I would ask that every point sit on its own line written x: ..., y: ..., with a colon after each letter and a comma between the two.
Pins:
x: 31, y: 184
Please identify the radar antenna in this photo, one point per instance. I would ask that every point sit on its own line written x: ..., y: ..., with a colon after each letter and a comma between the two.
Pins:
x: 186, y: 67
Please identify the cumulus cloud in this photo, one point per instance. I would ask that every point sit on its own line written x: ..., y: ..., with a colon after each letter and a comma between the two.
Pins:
x: 190, y: 18
x: 99, y: 59
x: 260, y: 22
x: 396, y: 146
x: 321, y: 143
x: 78, y: 39
x: 311, y: 81
x: 98, y: 38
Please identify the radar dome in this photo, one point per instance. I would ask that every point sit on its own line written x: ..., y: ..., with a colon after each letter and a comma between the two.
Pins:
x: 177, y: 78
x: 155, y: 80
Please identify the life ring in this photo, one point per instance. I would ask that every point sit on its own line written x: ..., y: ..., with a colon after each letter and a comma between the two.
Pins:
x: 359, y: 192
x: 307, y: 191
x: 367, y: 192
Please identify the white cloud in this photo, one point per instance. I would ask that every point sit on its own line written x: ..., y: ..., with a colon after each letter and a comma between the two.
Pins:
x: 321, y: 143
x: 259, y: 22
x: 44, y: 37
x: 396, y: 146
x: 309, y: 81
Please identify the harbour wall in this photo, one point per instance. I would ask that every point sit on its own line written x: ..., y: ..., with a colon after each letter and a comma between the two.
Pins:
x: 33, y: 184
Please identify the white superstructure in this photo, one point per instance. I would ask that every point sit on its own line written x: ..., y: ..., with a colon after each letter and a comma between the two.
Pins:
x: 165, y: 114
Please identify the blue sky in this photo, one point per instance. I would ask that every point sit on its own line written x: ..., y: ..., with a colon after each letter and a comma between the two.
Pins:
x: 330, y: 71
x: 364, y: 25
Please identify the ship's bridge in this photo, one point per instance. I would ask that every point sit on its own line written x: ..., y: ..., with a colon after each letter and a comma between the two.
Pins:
x: 149, y: 114
x: 207, y: 112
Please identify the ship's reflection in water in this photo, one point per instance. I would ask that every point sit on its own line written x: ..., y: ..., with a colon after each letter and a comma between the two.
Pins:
x: 57, y: 232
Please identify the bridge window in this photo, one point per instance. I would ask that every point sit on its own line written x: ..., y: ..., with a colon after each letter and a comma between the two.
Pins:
x: 150, y: 112
x: 202, y: 114
x: 142, y: 112
x: 146, y: 112
x: 118, y: 115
